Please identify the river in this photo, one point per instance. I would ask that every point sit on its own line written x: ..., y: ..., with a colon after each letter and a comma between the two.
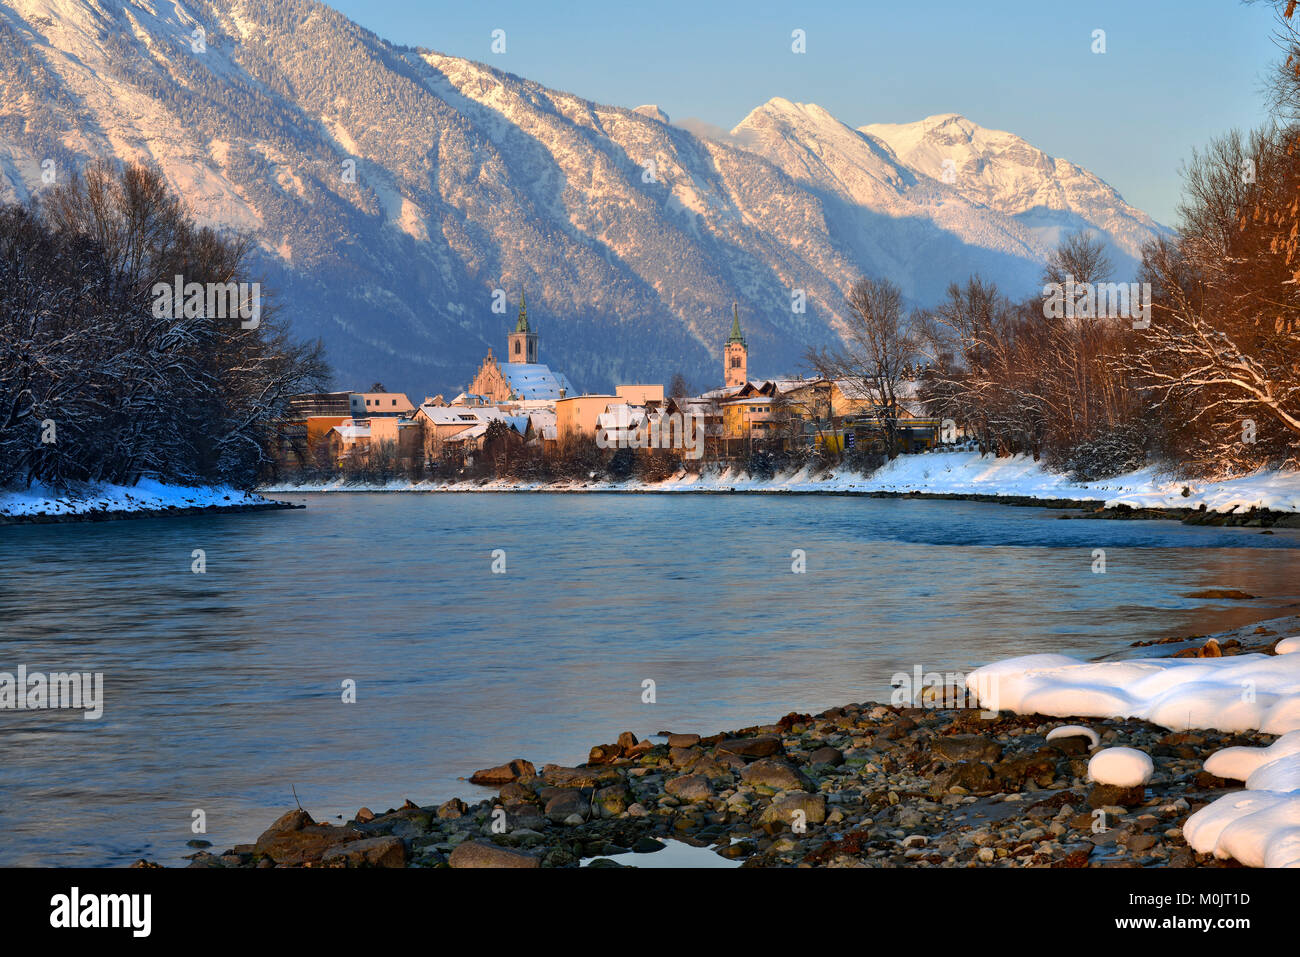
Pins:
x: 224, y: 689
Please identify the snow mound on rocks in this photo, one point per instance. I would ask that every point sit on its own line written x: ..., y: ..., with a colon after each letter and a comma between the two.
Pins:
x: 1074, y: 731
x: 1240, y: 693
x: 1122, y: 767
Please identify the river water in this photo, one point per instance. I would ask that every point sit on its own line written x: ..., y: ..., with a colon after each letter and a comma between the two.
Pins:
x: 224, y: 690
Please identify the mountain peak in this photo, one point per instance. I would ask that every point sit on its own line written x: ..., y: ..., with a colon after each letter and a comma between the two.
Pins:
x: 652, y: 110
x: 780, y: 107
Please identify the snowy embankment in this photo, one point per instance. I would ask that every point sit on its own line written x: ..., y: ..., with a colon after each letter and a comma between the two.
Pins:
x: 102, y: 499
x: 1259, y: 826
x: 935, y: 473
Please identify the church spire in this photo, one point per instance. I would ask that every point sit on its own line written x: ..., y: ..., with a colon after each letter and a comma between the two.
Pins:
x: 522, y: 324
x: 522, y: 343
x: 735, y: 325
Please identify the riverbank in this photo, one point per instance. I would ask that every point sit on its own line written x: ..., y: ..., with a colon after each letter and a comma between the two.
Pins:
x: 106, y: 502
x: 1274, y: 497
x: 862, y: 785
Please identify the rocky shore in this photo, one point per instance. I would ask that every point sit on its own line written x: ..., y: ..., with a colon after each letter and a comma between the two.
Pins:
x: 861, y: 785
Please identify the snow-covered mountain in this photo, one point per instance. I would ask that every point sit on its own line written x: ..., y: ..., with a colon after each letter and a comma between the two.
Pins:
x: 391, y: 190
x: 999, y: 170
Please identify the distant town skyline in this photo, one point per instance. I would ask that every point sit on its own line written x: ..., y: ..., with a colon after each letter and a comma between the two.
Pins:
x: 1173, y: 75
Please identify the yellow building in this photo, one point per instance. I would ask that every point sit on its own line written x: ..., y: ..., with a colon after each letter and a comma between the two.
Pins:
x: 747, y: 418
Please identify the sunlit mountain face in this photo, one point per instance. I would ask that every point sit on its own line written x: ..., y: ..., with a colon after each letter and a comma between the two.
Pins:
x: 396, y: 195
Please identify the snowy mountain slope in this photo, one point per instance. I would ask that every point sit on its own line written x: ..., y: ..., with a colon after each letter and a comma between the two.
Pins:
x: 631, y: 236
x: 1046, y: 195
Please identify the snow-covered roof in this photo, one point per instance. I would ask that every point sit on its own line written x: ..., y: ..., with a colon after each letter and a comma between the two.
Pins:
x: 473, y: 432
x: 620, y: 416
x: 450, y: 415
x: 534, y: 380
x: 470, y: 398
x: 489, y: 414
x: 542, y: 419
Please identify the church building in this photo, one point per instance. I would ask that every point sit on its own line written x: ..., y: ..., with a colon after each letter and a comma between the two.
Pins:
x: 735, y: 354
x: 521, y: 377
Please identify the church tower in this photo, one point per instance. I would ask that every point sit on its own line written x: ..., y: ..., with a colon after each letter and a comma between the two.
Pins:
x: 735, y: 355
x: 522, y: 345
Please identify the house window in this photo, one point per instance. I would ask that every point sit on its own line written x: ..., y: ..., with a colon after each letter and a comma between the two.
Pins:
x: 516, y: 347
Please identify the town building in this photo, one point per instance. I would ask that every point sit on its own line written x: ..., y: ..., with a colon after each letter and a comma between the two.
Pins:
x: 576, y: 415
x: 367, y: 404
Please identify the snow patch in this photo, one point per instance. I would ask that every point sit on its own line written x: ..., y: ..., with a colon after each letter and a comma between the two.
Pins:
x: 146, y: 496
x: 1074, y: 731
x: 1121, y: 767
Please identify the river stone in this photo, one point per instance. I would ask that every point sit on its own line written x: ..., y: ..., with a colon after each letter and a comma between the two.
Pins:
x: 566, y: 804
x: 613, y: 800
x: 524, y: 817
x: 504, y: 773
x: 604, y: 754
x: 483, y: 854
x: 690, y: 787
x: 516, y: 793
x: 783, y: 811
x: 773, y: 774
x: 765, y: 745
x: 559, y: 776
x: 729, y: 760
x: 1036, y: 768
x: 967, y: 747
x: 711, y: 769
x: 370, y: 852
x: 898, y: 729
x: 294, y: 838
x: 969, y: 775
x: 452, y: 809
x: 827, y: 755
x: 1107, y: 795
x: 683, y: 740
x: 684, y: 757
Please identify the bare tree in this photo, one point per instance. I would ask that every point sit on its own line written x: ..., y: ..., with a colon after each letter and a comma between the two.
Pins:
x: 879, y: 344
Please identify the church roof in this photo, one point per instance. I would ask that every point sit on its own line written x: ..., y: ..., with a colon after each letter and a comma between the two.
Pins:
x: 535, y: 380
x: 735, y: 326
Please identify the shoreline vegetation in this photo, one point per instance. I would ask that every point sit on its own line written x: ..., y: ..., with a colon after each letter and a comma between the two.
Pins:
x: 861, y: 784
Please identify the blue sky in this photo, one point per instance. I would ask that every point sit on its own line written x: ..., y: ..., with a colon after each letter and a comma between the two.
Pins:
x: 1174, y: 74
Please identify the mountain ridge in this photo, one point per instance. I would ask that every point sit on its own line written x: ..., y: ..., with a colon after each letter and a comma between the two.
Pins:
x: 631, y: 235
